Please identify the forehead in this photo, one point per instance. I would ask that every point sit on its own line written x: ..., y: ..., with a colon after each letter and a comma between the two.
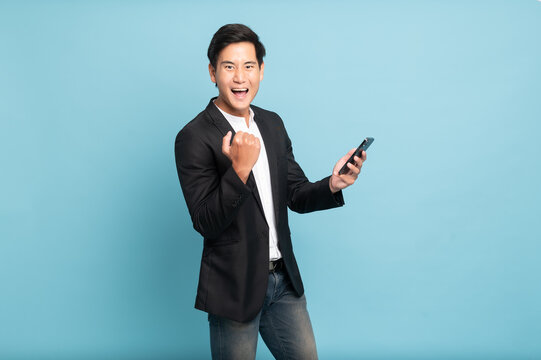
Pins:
x: 238, y: 52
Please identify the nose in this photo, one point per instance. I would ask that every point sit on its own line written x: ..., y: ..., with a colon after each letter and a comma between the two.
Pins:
x: 239, y: 76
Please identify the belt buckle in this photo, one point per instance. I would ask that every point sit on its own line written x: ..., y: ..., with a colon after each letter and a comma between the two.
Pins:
x: 274, y: 265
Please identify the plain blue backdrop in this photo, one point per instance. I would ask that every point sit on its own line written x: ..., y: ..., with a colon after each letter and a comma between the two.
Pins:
x: 436, y: 254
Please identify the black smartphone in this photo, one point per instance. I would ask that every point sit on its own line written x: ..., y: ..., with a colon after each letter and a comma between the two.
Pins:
x: 364, y: 145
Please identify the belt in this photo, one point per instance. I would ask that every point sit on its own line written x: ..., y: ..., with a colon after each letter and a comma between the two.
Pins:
x: 276, y: 265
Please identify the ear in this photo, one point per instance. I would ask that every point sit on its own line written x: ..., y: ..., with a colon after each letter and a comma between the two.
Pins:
x: 261, y: 70
x: 212, y: 73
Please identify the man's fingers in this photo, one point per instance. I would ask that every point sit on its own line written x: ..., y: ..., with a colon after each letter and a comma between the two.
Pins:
x: 355, y: 169
x: 253, y: 140
x: 239, y: 137
x: 249, y: 139
x: 359, y: 161
x: 347, y: 179
x: 242, y: 139
x: 345, y: 158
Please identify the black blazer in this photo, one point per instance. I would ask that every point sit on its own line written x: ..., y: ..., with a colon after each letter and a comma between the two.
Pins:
x: 228, y: 213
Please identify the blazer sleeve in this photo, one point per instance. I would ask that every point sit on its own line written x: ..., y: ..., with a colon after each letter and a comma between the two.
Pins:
x: 213, y: 200
x: 303, y: 195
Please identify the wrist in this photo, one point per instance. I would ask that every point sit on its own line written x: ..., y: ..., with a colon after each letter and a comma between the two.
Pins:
x: 242, y: 172
x: 333, y: 189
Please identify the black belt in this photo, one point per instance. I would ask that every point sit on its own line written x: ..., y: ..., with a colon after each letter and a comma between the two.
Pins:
x: 276, y: 265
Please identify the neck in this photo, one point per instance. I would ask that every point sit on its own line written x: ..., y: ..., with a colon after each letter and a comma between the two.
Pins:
x: 245, y: 113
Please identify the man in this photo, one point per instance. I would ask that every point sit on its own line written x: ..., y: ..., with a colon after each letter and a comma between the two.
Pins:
x: 238, y: 176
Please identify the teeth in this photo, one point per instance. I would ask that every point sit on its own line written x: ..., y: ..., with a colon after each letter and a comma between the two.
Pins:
x: 239, y: 89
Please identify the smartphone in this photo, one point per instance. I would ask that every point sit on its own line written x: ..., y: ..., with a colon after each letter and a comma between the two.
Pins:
x: 364, y: 145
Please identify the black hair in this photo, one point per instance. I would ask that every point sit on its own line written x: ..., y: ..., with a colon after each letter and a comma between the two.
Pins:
x: 230, y: 34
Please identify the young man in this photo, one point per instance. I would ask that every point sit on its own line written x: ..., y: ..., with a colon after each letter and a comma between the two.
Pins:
x: 238, y: 176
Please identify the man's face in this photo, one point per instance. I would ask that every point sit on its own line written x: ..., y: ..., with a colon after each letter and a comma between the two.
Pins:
x: 237, y: 75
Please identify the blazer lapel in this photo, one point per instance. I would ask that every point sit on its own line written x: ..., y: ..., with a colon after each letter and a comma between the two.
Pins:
x: 224, y: 126
x: 270, y: 146
x: 218, y: 119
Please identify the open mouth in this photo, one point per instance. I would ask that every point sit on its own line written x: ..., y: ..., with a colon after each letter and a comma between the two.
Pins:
x: 240, y: 93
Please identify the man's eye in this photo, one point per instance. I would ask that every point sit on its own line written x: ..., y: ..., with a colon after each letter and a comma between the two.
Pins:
x: 249, y: 67
x: 229, y: 67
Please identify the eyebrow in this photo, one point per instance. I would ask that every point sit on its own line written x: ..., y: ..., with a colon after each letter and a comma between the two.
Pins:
x: 232, y: 63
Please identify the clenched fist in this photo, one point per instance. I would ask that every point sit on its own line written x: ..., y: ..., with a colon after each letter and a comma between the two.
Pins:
x: 243, y: 152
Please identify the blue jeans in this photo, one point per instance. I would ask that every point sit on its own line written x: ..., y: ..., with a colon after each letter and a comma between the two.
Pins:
x: 283, y: 322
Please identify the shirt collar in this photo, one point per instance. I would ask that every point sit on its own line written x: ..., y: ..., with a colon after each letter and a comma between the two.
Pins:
x: 237, y: 120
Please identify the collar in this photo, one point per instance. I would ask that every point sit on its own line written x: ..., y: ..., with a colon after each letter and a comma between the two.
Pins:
x: 237, y: 120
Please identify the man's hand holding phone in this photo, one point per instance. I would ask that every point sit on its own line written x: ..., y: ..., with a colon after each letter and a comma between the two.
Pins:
x: 348, y: 168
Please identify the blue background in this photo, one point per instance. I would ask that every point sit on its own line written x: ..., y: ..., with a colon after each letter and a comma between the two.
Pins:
x: 436, y: 254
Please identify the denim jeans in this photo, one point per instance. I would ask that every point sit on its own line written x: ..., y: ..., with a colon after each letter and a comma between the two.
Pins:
x: 283, y: 322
